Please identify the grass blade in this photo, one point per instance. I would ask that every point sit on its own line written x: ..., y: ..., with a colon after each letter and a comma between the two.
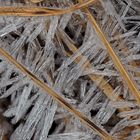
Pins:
x: 57, y: 97
x: 40, y: 11
x: 123, y: 72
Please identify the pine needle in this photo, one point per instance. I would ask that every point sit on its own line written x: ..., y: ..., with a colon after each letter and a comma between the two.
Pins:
x: 57, y: 97
x: 40, y: 11
x: 123, y: 72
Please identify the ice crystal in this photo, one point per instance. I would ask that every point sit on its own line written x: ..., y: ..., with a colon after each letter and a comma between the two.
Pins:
x: 68, y: 52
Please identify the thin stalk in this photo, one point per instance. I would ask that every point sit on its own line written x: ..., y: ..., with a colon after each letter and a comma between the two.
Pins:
x: 36, y: 1
x: 138, y: 138
x: 123, y: 72
x: 102, y: 133
x: 40, y: 11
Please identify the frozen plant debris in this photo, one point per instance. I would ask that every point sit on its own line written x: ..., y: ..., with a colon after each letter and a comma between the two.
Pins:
x: 69, y: 70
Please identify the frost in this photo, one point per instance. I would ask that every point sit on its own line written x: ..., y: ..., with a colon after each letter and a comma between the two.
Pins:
x: 67, y: 54
x: 12, y: 27
x: 35, y: 33
x: 105, y: 113
x: 133, y: 112
x: 122, y: 104
x: 69, y: 136
x: 98, y: 72
x: 64, y: 21
x: 51, y: 31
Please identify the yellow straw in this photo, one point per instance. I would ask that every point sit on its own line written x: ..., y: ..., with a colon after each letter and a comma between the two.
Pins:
x: 40, y: 11
x: 123, y: 72
x: 102, y: 133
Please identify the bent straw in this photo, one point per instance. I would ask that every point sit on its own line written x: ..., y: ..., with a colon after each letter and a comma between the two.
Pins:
x: 123, y: 72
x: 138, y: 138
x: 102, y: 133
x: 36, y: 1
x: 40, y: 11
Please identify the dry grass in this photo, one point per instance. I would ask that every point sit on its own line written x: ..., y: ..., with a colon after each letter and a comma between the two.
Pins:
x: 104, y: 86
